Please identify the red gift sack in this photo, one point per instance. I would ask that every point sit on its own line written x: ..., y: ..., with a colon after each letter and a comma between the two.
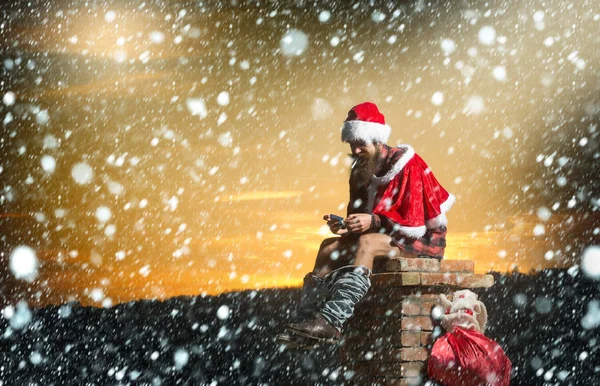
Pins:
x: 468, y: 358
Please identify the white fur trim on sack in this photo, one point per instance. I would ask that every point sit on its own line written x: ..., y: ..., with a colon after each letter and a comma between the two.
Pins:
x: 369, y: 132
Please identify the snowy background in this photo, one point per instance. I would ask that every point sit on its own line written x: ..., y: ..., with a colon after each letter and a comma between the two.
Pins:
x: 163, y: 148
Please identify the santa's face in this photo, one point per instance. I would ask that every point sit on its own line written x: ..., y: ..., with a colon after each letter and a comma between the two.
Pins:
x: 363, y: 149
x: 366, y: 156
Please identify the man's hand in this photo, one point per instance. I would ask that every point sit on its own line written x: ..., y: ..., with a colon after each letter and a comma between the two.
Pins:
x: 358, y: 222
x: 335, y: 226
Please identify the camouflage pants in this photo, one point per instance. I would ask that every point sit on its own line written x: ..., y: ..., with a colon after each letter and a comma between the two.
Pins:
x: 347, y: 286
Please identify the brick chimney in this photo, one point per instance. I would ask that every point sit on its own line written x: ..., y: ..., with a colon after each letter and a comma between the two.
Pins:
x: 388, y: 339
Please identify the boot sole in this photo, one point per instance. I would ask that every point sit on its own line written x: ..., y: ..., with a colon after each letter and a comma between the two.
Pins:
x: 296, y: 342
x: 314, y: 338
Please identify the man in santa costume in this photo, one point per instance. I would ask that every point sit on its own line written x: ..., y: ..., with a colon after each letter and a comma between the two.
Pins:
x: 396, y: 208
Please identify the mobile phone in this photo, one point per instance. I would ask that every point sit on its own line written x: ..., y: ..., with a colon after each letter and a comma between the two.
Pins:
x: 339, y: 219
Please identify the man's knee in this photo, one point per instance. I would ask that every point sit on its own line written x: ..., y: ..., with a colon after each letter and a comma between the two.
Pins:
x: 374, y: 243
x: 327, y: 242
x: 367, y: 242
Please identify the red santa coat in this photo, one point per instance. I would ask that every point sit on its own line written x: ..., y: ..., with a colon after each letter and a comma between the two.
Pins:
x: 408, y: 194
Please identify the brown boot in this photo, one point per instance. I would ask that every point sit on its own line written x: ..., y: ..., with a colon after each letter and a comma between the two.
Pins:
x: 317, y: 328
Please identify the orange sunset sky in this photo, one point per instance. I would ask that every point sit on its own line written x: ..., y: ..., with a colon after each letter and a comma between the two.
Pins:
x: 209, y: 135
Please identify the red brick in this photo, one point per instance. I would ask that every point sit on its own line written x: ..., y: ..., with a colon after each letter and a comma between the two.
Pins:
x: 423, y: 297
x: 457, y: 266
x: 411, y: 354
x: 403, y: 264
x: 410, y: 307
x: 426, y: 307
x: 417, y: 323
x: 412, y: 369
x: 411, y: 338
x: 425, y: 338
x: 396, y: 279
x: 410, y: 382
x: 464, y: 280
x: 478, y: 281
x: 448, y: 279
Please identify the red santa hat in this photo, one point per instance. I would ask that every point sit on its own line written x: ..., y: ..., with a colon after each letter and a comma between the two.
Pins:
x: 365, y: 123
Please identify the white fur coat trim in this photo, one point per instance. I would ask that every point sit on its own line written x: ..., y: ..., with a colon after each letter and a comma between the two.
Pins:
x: 399, y: 165
x: 414, y: 232
x: 440, y: 220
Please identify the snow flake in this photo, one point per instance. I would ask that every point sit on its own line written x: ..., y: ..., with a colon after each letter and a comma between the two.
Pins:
x: 50, y: 142
x: 544, y: 213
x: 181, y: 358
x: 222, y: 119
x: 36, y: 358
x: 82, y: 173
x: 324, y: 16
x: 115, y: 188
x: 487, y: 35
x: 225, y: 139
x: 103, y: 214
x: 590, y: 262
x: 437, y: 98
x: 293, y: 43
x: 321, y: 109
x: 110, y: 16
x: 145, y: 270
x: 592, y: 317
x: 196, y: 106
x: 21, y: 317
x: 96, y: 294
x: 499, y: 73
x: 42, y: 117
x: 223, y: 312
x: 539, y: 230
x: 474, y: 105
x: 9, y: 98
x: 156, y: 37
x: 448, y: 46
x: 23, y: 263
x: 378, y: 16
x: 223, y: 98
x: 48, y: 164
x: 359, y: 57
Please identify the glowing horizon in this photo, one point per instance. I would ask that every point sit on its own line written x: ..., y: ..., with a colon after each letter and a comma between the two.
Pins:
x: 210, y: 148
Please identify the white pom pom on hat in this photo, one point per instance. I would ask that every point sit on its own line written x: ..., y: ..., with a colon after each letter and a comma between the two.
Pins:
x: 365, y: 123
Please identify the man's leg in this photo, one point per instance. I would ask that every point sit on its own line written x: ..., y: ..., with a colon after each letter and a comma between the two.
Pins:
x: 348, y: 287
x: 372, y: 245
x: 333, y: 253
x: 353, y: 284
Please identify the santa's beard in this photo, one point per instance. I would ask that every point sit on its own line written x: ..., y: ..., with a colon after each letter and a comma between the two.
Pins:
x: 364, y: 169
